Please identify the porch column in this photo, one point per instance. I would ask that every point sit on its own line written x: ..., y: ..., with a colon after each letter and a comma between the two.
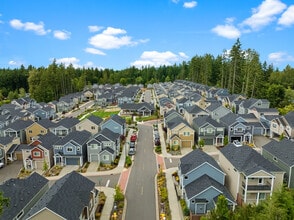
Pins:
x: 272, y: 186
x: 245, y: 193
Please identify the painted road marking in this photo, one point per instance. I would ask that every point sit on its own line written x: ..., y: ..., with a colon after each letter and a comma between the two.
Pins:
x: 142, y: 190
x: 107, y: 183
x: 170, y: 160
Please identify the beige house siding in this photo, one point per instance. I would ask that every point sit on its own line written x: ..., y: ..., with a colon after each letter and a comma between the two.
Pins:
x: 33, y: 131
x: 88, y: 126
x: 46, y: 214
x: 233, y: 177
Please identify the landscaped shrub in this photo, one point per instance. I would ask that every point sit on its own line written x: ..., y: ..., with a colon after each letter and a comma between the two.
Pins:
x: 128, y: 162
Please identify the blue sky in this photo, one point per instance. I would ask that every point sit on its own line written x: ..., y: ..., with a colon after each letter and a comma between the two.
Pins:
x: 118, y: 34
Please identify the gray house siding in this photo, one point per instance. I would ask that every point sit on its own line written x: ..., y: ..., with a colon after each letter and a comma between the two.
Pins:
x: 113, y: 126
x: 289, y: 175
x: 106, y: 157
x: 204, y: 169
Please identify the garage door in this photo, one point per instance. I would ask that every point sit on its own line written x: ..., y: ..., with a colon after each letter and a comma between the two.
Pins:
x: 186, y: 144
x: 208, y: 141
x: 94, y: 158
x: 72, y: 161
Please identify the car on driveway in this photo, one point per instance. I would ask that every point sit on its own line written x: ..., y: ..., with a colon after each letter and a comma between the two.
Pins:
x: 1, y: 164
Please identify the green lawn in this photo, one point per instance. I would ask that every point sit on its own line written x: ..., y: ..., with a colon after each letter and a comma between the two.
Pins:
x: 104, y: 114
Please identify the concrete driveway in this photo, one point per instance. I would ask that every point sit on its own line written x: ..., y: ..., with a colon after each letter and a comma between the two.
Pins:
x: 67, y: 169
x: 10, y: 171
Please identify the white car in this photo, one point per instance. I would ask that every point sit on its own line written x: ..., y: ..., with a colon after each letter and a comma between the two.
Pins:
x: 1, y: 164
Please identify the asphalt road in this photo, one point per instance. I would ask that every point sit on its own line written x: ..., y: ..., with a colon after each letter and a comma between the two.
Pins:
x: 140, y: 193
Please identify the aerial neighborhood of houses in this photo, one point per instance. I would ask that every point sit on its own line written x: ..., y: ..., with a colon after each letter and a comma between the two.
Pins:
x: 194, y: 117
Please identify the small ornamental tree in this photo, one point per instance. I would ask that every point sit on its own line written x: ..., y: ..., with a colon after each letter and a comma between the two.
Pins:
x: 3, y: 202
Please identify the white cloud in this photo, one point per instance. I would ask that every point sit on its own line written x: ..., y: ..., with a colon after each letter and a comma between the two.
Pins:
x: 94, y: 51
x: 112, y: 38
x: 156, y: 59
x: 287, y: 18
x: 61, y: 35
x: 264, y: 14
x: 68, y: 60
x: 175, y: 1
x: 228, y: 31
x: 94, y: 28
x: 183, y: 55
x: 39, y: 29
x: 13, y: 63
x: 279, y: 57
x: 191, y: 4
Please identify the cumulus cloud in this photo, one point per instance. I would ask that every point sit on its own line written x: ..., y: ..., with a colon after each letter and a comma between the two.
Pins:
x: 279, y: 57
x: 94, y: 51
x: 287, y: 18
x: 156, y: 59
x: 264, y: 14
x: 227, y: 30
x: 39, y: 28
x: 61, y: 35
x: 66, y: 61
x: 94, y: 28
x: 112, y: 38
x: 191, y: 4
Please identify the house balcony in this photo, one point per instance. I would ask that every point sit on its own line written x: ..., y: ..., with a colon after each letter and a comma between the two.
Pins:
x: 257, y: 187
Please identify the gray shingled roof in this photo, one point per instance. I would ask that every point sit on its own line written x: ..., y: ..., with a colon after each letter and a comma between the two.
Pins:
x: 19, y: 125
x: 67, y: 197
x: 194, y: 109
x: 283, y: 150
x: 247, y: 160
x: 46, y: 123
x: 48, y: 140
x: 68, y: 122
x: 176, y: 121
x: 194, y: 159
x: 95, y: 119
x: 290, y: 118
x: 200, y: 121
x: 6, y: 140
x: 21, y: 192
x: 80, y: 137
x: 203, y: 183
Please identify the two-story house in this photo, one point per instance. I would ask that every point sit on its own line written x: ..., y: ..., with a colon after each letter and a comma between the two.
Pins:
x: 64, y: 126
x: 209, y: 130
x: 281, y: 153
x: 92, y: 124
x: 71, y: 197
x: 237, y: 128
x: 104, y: 147
x: 18, y: 129
x: 283, y: 125
x: 116, y: 124
x: 22, y: 194
x: 201, y: 181
x: 250, y: 177
x: 71, y: 149
x: 217, y: 110
x: 39, y: 152
x: 179, y: 133
x: 38, y: 128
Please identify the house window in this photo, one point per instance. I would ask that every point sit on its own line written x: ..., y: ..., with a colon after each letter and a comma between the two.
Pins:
x: 209, y: 130
x: 275, y: 159
x: 30, y: 131
x: 239, y: 129
x: 93, y: 127
x: 78, y: 148
x: 42, y: 132
x: 260, y: 181
x: 186, y: 133
x: 94, y: 146
x: 36, y: 154
x: 261, y: 196
x: 69, y: 149
x: 186, y: 177
x: 46, y: 153
x: 231, y: 128
x: 202, y: 129
x: 175, y: 142
x: 105, y: 157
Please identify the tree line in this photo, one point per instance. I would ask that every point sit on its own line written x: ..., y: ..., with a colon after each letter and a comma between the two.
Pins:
x: 238, y: 70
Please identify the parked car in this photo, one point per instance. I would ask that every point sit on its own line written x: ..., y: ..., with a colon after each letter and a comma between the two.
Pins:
x: 157, y: 142
x: 132, y: 144
x: 1, y: 164
x: 132, y: 152
x: 133, y: 137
